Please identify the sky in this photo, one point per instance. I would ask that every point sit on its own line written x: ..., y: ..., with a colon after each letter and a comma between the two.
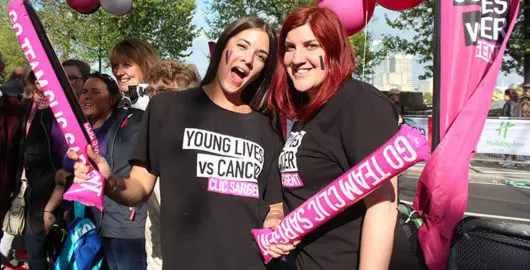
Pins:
x: 376, y: 26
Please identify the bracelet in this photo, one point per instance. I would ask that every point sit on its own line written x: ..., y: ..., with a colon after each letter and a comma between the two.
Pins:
x: 48, y: 211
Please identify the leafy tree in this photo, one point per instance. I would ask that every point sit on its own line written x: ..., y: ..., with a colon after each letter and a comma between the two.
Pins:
x: 9, y: 46
x: 420, y: 21
x: 223, y: 12
x: 166, y: 24
x: 427, y: 98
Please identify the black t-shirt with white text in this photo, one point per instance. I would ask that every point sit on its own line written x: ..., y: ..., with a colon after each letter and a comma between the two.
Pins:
x: 218, y: 176
x: 356, y: 121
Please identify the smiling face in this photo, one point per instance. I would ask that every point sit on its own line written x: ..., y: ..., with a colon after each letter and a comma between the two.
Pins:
x: 95, y: 99
x: 127, y: 73
x: 305, y: 60
x: 243, y: 59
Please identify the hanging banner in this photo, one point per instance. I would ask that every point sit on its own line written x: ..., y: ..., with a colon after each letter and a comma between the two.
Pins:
x: 499, y: 136
x: 471, y: 39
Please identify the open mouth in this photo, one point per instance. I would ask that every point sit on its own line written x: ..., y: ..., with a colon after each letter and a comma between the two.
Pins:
x: 237, y: 75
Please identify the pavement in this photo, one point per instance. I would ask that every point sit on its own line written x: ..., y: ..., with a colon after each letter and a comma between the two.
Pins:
x: 489, y: 171
x: 494, y: 191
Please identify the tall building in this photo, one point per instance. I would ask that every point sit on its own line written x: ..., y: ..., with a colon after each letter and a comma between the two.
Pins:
x: 395, y: 71
x: 400, y: 63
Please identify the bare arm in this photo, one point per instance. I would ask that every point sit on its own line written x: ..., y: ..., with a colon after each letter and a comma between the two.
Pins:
x: 55, y: 199
x: 57, y: 195
x: 274, y: 216
x: 131, y: 191
x: 377, y: 237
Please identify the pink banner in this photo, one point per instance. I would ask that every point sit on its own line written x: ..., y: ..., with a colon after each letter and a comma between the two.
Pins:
x: 63, y: 103
x: 406, y: 148
x: 473, y: 38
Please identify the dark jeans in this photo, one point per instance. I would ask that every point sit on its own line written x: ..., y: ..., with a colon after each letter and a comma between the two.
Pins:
x: 125, y: 254
x: 36, y: 250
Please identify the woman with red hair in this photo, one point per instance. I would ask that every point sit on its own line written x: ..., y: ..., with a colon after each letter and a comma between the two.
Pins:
x: 338, y: 122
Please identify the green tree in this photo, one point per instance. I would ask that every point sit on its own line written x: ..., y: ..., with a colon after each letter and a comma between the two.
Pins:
x: 9, y: 46
x: 427, y: 98
x: 223, y: 12
x: 366, y: 56
x: 420, y: 21
x: 166, y: 24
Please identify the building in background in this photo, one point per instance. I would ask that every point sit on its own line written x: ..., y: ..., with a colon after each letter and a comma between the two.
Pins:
x: 425, y: 86
x: 395, y: 71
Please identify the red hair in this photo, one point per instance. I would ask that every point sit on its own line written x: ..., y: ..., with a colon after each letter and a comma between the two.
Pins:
x: 329, y: 32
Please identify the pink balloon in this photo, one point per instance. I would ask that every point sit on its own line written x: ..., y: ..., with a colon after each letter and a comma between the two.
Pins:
x: 84, y: 6
x: 354, y: 14
x: 211, y: 46
x: 399, y: 4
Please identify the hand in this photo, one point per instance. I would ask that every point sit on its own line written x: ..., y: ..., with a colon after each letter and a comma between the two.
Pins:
x: 272, y: 222
x: 49, y: 220
x: 81, y: 170
x: 281, y: 249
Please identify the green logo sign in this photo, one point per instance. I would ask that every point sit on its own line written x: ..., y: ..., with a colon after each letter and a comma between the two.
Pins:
x: 503, y: 129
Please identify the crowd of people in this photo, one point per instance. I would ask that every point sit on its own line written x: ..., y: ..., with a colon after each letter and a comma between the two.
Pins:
x: 188, y: 176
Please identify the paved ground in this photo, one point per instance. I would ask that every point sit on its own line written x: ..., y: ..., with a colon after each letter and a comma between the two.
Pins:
x: 489, y: 196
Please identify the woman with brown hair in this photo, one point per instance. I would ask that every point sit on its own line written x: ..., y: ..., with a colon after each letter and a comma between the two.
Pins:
x: 131, y: 60
x: 215, y: 156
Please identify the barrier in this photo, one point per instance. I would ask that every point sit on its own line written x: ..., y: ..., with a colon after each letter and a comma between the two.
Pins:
x: 503, y: 135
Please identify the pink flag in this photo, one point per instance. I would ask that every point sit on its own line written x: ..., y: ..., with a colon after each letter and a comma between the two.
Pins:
x: 473, y: 37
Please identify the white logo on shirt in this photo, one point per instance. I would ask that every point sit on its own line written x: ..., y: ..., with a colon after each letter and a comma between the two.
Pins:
x: 287, y: 159
x: 232, y: 163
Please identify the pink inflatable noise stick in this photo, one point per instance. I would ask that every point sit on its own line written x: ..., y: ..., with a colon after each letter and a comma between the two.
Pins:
x: 406, y: 148
x: 63, y: 102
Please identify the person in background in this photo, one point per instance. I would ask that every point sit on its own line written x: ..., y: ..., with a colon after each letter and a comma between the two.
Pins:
x: 525, y: 107
x: 77, y: 72
x: 116, y: 128
x: 512, y: 108
x: 14, y: 86
x: 37, y: 165
x: 131, y: 59
x: 171, y: 75
x: 166, y: 76
x: 395, y: 96
x: 10, y: 132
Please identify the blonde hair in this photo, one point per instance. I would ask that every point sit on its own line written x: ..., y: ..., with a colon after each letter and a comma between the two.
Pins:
x: 136, y: 50
x: 171, y: 71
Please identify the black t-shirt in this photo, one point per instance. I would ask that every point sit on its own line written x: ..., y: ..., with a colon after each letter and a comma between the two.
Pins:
x: 353, y: 124
x: 218, y: 176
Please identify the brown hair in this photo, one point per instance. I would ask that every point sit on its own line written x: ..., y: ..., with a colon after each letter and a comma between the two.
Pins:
x: 138, y: 51
x: 82, y: 66
x: 171, y: 71
x: 256, y: 92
